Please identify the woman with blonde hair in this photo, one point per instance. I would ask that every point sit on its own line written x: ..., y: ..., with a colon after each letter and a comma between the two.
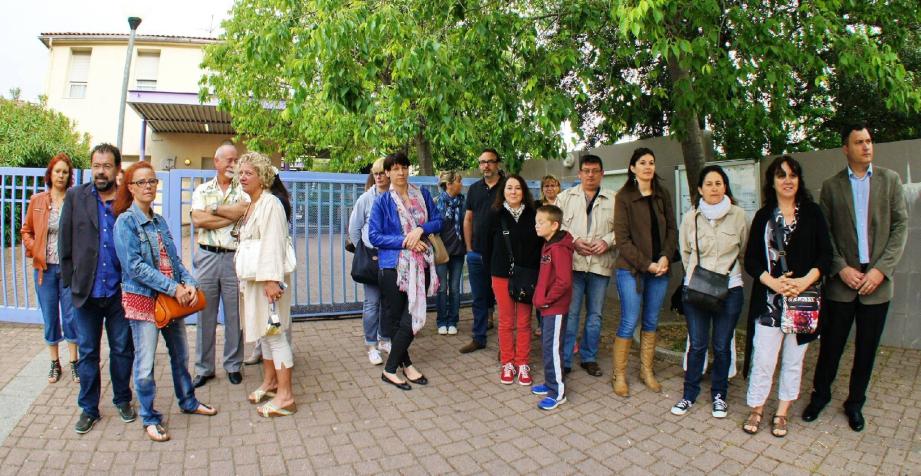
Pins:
x: 265, y: 306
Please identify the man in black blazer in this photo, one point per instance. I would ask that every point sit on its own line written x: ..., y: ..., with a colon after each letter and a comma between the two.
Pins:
x: 868, y: 220
x: 90, y: 268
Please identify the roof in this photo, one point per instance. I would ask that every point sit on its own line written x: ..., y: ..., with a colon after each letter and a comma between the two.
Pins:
x: 180, y: 112
x: 48, y: 38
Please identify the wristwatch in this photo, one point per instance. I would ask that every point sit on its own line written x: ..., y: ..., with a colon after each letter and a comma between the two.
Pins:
x: 213, y: 209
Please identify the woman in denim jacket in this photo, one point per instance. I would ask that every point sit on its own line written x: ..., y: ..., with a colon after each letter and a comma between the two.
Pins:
x: 150, y: 265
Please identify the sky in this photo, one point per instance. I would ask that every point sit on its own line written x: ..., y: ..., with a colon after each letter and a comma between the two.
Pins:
x: 25, y: 58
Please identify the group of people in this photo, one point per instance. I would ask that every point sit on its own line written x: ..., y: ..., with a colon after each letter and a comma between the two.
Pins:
x: 843, y: 249
x: 102, y: 257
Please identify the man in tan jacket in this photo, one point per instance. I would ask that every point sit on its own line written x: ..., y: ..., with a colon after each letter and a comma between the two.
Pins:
x: 588, y: 215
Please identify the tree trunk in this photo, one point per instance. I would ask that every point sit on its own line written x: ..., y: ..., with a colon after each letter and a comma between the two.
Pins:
x: 692, y: 141
x: 424, y: 151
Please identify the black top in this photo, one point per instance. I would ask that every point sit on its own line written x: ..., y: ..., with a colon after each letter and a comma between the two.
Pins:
x: 656, y: 241
x: 809, y: 247
x: 526, y: 245
x: 479, y: 201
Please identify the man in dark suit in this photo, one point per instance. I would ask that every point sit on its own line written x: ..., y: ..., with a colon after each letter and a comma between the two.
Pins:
x: 868, y: 219
x: 90, y: 267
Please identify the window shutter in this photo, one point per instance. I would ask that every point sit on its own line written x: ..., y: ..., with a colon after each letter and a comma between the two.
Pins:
x: 79, y: 66
x: 147, y: 65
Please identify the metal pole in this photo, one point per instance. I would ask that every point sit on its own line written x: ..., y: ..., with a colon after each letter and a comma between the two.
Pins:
x: 143, y: 139
x: 133, y: 22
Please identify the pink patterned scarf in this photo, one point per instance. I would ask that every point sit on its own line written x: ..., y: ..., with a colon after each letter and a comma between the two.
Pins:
x: 411, y: 265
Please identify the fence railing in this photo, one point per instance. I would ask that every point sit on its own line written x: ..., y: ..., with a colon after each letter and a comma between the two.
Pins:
x: 321, y: 204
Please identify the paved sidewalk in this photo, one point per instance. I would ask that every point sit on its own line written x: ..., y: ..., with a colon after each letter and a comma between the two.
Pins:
x: 463, y: 422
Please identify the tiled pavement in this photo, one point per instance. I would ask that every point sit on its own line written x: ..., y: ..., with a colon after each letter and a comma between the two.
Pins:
x: 463, y: 422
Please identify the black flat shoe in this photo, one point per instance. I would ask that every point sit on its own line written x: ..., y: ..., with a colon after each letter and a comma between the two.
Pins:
x: 855, y: 419
x: 201, y: 380
x: 401, y: 386
x: 812, y: 411
x: 419, y: 381
x: 235, y: 378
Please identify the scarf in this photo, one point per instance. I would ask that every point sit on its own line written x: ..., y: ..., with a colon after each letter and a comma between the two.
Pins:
x: 452, y: 208
x: 516, y: 212
x: 715, y: 212
x: 411, y: 264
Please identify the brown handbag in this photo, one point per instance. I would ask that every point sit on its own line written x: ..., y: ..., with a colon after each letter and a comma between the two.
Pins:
x: 167, y: 308
x: 438, y: 247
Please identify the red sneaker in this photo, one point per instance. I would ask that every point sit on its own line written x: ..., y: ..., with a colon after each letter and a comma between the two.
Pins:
x: 524, y: 375
x: 508, y: 374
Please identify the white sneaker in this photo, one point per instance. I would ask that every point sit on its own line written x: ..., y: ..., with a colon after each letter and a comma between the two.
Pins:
x: 442, y: 330
x: 384, y: 346
x: 375, y: 356
x: 720, y: 408
x: 681, y: 407
x: 452, y: 330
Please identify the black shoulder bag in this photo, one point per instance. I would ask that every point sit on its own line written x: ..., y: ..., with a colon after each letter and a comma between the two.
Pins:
x: 521, y: 281
x: 706, y: 289
x: 364, y: 264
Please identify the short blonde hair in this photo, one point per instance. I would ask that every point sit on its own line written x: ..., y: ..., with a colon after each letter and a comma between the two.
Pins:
x: 262, y: 164
x: 448, y: 176
x: 378, y: 166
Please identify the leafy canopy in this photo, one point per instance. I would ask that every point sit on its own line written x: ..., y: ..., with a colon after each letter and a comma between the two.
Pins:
x: 30, y: 134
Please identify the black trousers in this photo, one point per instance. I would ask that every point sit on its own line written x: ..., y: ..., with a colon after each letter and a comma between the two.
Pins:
x: 396, y: 319
x: 871, y: 319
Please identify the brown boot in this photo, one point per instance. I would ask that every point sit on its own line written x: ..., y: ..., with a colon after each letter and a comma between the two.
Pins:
x: 619, y: 374
x: 647, y: 354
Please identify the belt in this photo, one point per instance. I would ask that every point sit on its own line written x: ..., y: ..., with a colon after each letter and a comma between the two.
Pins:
x: 864, y: 267
x: 216, y: 249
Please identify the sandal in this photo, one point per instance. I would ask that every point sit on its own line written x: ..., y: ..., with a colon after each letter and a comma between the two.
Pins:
x: 73, y: 371
x: 259, y: 395
x: 269, y: 410
x: 753, y: 424
x: 202, y: 410
x: 779, y: 426
x: 159, y: 435
x: 54, y: 374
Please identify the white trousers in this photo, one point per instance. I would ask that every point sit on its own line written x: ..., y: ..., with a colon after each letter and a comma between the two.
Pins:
x: 277, y: 349
x: 768, y: 343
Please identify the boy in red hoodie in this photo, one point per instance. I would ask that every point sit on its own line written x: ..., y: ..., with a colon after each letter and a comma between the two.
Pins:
x: 551, y: 298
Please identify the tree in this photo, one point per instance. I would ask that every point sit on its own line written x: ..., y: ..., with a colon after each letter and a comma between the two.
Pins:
x: 438, y: 78
x: 30, y: 134
x: 757, y: 73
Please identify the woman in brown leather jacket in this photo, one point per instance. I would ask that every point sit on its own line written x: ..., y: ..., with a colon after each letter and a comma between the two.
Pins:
x: 40, y: 239
x: 646, y: 238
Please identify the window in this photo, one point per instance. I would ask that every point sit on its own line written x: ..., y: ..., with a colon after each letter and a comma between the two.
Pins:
x: 79, y: 73
x: 148, y: 63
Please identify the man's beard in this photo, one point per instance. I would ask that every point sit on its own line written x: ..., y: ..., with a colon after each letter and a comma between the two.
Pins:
x: 106, y: 186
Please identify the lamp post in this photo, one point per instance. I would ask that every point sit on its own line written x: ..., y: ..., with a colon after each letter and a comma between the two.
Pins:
x: 133, y: 22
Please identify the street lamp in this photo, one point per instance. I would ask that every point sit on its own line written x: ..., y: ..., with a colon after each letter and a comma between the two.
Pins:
x: 133, y: 22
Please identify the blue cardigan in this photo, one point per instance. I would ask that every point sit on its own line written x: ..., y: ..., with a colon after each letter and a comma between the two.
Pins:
x: 387, y: 235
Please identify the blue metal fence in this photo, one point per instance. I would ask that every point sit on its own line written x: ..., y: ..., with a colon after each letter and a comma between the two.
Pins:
x: 321, y: 204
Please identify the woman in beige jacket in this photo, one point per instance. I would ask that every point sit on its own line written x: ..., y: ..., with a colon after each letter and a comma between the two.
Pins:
x: 712, y: 236
x: 265, y: 306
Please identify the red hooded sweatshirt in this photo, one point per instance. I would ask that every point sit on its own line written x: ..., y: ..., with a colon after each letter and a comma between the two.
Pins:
x: 554, y: 283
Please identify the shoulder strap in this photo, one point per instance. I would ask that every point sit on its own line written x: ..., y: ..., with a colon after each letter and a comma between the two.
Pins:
x: 506, y: 239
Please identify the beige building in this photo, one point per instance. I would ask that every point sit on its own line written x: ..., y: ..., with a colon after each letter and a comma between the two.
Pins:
x: 164, y: 120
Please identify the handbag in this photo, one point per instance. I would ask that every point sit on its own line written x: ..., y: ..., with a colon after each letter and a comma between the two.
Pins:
x: 439, y: 249
x: 798, y: 315
x: 364, y: 265
x: 167, y: 308
x: 246, y: 259
x: 706, y: 289
x: 522, y: 281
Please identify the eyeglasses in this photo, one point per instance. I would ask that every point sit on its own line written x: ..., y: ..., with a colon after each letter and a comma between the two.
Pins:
x: 489, y: 162
x: 591, y: 171
x: 379, y: 174
x: 102, y: 166
x: 143, y: 183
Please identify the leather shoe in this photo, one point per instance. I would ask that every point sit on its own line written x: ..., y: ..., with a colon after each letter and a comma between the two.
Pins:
x: 472, y: 346
x: 592, y: 368
x: 235, y: 377
x: 200, y: 380
x: 855, y: 419
x: 812, y: 411
x: 401, y: 386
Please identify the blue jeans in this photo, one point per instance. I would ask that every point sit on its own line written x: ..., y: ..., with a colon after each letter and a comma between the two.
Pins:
x: 57, y: 308
x: 654, y: 289
x: 96, y: 314
x: 146, y: 335
x: 724, y: 323
x: 448, y: 301
x: 592, y: 287
x: 481, y: 287
x: 371, y: 314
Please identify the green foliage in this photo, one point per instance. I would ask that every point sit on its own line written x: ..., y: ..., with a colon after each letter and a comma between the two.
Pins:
x: 438, y: 78
x: 30, y: 134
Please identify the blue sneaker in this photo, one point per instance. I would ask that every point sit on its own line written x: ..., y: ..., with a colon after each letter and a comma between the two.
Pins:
x: 549, y: 403
x: 540, y: 390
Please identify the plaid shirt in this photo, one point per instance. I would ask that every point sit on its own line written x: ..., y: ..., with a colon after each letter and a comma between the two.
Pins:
x: 203, y: 198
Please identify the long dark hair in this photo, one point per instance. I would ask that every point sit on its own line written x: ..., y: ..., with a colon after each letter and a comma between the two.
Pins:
x: 769, y: 195
x: 526, y: 199
x: 631, y: 177
x: 703, y: 175
x: 281, y: 193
